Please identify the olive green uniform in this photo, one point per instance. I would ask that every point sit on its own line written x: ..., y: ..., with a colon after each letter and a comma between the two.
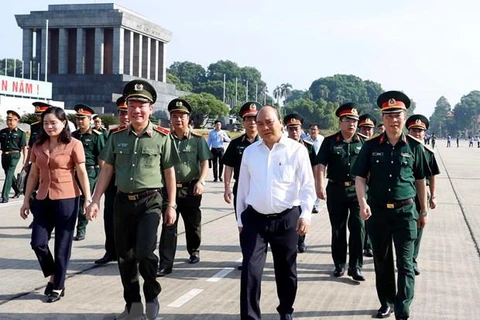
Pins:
x: 434, y: 170
x: 391, y: 172
x: 139, y: 160
x: 35, y: 130
x: 343, y: 209
x: 192, y: 150
x: 93, y: 143
x: 12, y: 142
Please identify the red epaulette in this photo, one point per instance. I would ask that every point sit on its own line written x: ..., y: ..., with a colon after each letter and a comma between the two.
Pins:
x: 118, y: 129
x: 162, y: 130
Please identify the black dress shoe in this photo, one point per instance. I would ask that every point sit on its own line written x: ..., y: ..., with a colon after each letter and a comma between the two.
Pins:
x: 162, y: 272
x: 48, y: 289
x: 221, y: 179
x: 416, y: 271
x: 286, y: 316
x: 17, y: 195
x: 338, y: 272
x: 240, y: 267
x: 315, y: 210
x: 79, y: 237
x: 368, y: 253
x: 3, y: 200
x: 152, y: 309
x: 55, y: 296
x: 302, y: 247
x: 356, y: 274
x: 384, y: 312
x: 105, y: 259
x: 194, y: 258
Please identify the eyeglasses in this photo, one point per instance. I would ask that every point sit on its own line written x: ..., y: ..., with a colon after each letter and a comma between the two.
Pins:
x: 348, y: 120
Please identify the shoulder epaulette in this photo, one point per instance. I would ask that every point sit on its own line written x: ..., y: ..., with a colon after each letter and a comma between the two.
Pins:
x: 118, y: 129
x: 373, y: 137
x: 307, y: 142
x: 415, y: 139
x: 162, y: 130
x: 331, y: 135
x: 361, y: 135
x: 34, y: 123
x: 20, y: 129
x: 196, y: 134
x: 429, y: 148
x: 97, y: 132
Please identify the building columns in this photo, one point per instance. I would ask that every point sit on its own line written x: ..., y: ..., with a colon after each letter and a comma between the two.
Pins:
x: 98, y: 66
x: 62, y: 51
x: 80, y: 51
x: 118, y: 50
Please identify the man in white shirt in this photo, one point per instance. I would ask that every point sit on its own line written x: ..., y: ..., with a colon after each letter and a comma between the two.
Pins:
x: 317, y: 140
x: 215, y: 141
x: 275, y: 197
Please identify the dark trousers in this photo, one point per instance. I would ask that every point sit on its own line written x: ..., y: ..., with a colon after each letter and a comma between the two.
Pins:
x: 418, y: 240
x: 9, y: 164
x: 108, y: 223
x: 189, y: 208
x: 217, y: 154
x: 258, y: 231
x: 60, y: 215
x: 82, y: 219
x: 136, y: 224
x: 343, y: 210
x: 400, y: 226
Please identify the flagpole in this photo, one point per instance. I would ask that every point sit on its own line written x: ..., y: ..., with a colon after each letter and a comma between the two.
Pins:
x: 46, y: 50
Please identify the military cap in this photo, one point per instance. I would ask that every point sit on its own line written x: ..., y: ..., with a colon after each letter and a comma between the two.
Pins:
x: 348, y: 110
x: 393, y: 101
x: 140, y: 90
x: 249, y: 109
x: 121, y: 104
x: 40, y: 107
x: 83, y: 110
x: 417, y: 121
x: 366, y: 120
x: 293, y: 119
x: 11, y: 114
x: 179, y: 105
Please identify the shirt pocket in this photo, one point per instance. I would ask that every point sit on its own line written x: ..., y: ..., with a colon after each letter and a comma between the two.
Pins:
x: 287, y: 173
x: 149, y: 157
x: 63, y: 177
x: 123, y: 158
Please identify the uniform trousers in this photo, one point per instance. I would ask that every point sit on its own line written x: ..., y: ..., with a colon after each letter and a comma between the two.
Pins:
x: 188, y: 206
x: 108, y: 223
x: 400, y: 226
x: 343, y: 210
x: 92, y: 173
x: 418, y: 240
x: 259, y: 230
x: 217, y: 154
x: 60, y: 215
x: 9, y: 164
x: 136, y: 224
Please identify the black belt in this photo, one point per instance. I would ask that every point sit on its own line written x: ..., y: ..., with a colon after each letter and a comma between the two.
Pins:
x: 186, y: 184
x: 271, y: 215
x: 11, y: 151
x: 139, y: 195
x: 398, y: 204
x: 343, y: 183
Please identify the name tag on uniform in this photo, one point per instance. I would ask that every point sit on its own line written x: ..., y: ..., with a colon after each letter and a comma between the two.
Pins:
x: 377, y: 154
x: 406, y: 155
x: 122, y: 145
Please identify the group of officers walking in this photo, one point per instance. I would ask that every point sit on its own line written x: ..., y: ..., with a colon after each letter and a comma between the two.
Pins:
x: 148, y: 172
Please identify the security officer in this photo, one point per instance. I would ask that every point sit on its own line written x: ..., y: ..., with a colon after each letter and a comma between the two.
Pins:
x: 337, y: 155
x: 143, y: 157
x: 13, y: 141
x: 366, y: 127
x: 417, y: 125
x: 93, y: 143
x: 190, y: 174
x: 98, y: 125
x: 111, y: 192
x: 294, y: 123
x: 396, y: 167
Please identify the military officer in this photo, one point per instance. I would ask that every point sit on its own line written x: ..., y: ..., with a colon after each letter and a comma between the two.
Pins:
x: 366, y: 127
x: 293, y: 123
x: 13, y: 141
x: 190, y: 175
x: 93, y: 143
x: 98, y: 125
x: 143, y: 157
x: 396, y: 167
x: 337, y: 155
x: 381, y: 128
x: 417, y: 125
x: 111, y: 192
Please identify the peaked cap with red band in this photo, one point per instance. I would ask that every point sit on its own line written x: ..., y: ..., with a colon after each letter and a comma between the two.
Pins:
x: 293, y: 119
x: 11, y: 114
x: 418, y: 121
x: 393, y: 101
x: 348, y: 110
x: 367, y: 120
x: 121, y: 103
x: 249, y: 109
x: 83, y: 110
x: 40, y: 107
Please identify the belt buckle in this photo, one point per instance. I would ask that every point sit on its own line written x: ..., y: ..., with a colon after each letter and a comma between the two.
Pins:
x: 348, y: 183
x: 132, y: 197
x: 179, y: 185
x: 390, y: 206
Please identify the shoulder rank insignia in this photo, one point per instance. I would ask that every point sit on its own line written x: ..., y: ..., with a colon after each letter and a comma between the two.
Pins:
x: 34, y: 123
x: 162, y: 130
x: 118, y: 129
x: 361, y: 135
x: 307, y: 142
x: 196, y: 134
x: 97, y: 132
x: 412, y: 137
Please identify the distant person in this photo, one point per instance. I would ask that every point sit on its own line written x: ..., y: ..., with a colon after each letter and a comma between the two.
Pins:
x: 98, y: 125
x: 215, y: 141
x: 470, y: 141
x: 366, y: 125
x: 434, y: 139
x: 381, y: 128
x: 458, y: 140
x: 449, y: 140
x: 317, y: 139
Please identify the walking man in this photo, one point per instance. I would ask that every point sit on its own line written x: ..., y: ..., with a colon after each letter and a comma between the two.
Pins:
x: 215, y: 141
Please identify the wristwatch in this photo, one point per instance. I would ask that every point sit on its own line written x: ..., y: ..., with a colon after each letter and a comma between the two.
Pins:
x: 202, y: 182
x: 424, y: 213
x: 174, y: 206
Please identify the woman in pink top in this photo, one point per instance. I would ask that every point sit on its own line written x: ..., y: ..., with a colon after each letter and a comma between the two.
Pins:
x: 55, y: 157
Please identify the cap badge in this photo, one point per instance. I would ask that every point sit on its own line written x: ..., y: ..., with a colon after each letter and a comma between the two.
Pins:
x: 392, y: 102
x: 418, y: 121
x: 252, y: 107
x: 368, y: 120
x: 179, y: 104
x: 138, y: 87
x: 354, y: 112
x: 80, y: 110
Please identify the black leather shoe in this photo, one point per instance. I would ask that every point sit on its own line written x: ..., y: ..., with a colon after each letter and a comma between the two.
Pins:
x: 215, y: 180
x: 3, y: 200
x: 384, y: 312
x: 48, y: 289
x: 55, y: 296
x: 286, y: 316
x: 17, y: 195
x: 162, y: 272
x: 416, y: 270
x: 368, y: 253
x: 401, y: 318
x: 221, y: 179
x: 315, y: 210
x: 302, y: 247
x: 356, y: 274
x: 105, y: 259
x: 338, y: 272
x: 152, y: 309
x: 194, y: 258
x: 79, y: 237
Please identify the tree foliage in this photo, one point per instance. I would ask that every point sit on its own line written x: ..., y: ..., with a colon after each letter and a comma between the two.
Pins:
x: 204, y: 106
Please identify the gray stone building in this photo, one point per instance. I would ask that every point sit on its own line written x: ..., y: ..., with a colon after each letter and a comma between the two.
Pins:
x: 90, y: 51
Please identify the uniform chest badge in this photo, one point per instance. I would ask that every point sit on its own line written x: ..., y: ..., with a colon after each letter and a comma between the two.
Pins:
x: 377, y: 154
x: 122, y: 145
x: 406, y: 155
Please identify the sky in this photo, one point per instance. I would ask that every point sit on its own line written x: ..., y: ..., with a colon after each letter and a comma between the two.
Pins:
x: 425, y: 48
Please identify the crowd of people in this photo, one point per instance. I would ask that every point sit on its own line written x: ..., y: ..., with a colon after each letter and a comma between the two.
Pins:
x: 379, y: 185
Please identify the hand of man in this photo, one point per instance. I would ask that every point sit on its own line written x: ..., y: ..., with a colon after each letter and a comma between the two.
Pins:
x: 198, y: 189
x: 227, y: 196
x: 170, y: 216
x: 92, y: 211
x: 321, y: 193
x: 25, y: 210
x: 365, y: 212
x: 302, y: 226
x: 432, y: 203
x: 422, y: 221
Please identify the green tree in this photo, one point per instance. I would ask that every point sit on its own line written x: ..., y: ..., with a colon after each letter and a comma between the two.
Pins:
x: 29, y: 118
x: 204, y: 106
x: 438, y: 119
x: 466, y: 112
x: 188, y: 73
x: 178, y: 83
x: 109, y: 120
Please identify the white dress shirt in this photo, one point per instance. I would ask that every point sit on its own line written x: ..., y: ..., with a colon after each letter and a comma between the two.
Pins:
x: 316, y: 143
x: 272, y: 181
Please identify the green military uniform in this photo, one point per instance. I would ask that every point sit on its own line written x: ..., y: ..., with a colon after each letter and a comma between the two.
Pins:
x: 392, y: 171
x: 12, y: 143
x: 338, y: 156
x: 192, y: 150
x: 35, y: 130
